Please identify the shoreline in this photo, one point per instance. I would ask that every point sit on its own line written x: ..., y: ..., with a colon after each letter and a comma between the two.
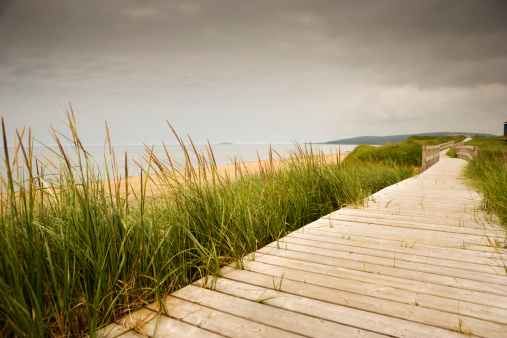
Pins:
x: 226, y: 171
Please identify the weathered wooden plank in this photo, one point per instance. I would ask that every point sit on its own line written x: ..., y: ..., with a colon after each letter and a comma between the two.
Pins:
x: 115, y: 330
x: 421, y: 201
x: 454, y: 221
x: 485, y: 245
x: 451, y: 254
x: 500, y: 280
x: 420, y: 207
x: 381, y: 323
x: 389, y: 271
x: 328, y: 312
x: 451, y: 292
x: 363, y: 302
x: 494, y: 268
x: 396, y: 228
x: 423, y: 236
x: 213, y: 320
x: 429, y: 241
x: 281, y: 318
x: 418, y: 225
x: 417, y: 210
x: 152, y: 324
x: 460, y: 307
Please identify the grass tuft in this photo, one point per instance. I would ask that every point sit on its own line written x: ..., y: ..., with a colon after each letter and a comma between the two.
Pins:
x: 488, y: 173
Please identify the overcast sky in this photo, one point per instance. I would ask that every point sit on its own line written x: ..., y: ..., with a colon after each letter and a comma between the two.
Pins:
x: 254, y: 71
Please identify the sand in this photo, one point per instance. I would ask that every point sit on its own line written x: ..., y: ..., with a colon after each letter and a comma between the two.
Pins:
x: 155, y: 186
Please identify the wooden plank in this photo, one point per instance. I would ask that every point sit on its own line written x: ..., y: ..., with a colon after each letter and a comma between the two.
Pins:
x: 150, y: 323
x: 451, y: 292
x: 366, y: 241
x: 455, y: 200
x: 389, y: 271
x: 388, y: 232
x: 401, y: 228
x: 494, y: 267
x: 414, y: 209
x: 481, y: 248
x: 115, y: 330
x: 500, y: 280
x: 485, y: 245
x: 421, y: 207
x: 391, y: 233
x: 417, y: 225
x: 433, y: 192
x: 327, y: 312
x: 451, y: 254
x: 213, y: 320
x: 457, y: 218
x: 374, y: 214
x: 365, y: 288
x: 412, y: 313
x: 281, y: 318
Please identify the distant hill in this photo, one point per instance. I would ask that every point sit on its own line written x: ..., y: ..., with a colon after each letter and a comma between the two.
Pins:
x: 225, y: 143
x: 394, y: 138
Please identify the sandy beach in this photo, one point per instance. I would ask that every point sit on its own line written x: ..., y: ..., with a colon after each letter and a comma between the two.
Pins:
x: 156, y: 186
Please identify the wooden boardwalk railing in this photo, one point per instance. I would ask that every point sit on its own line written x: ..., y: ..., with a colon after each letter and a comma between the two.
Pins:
x: 417, y: 260
x: 431, y: 154
x: 447, y: 145
x: 466, y: 152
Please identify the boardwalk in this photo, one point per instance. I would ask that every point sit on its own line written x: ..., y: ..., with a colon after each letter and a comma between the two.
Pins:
x: 419, y: 259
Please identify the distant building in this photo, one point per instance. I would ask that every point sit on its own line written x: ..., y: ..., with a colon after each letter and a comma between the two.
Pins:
x: 505, y: 129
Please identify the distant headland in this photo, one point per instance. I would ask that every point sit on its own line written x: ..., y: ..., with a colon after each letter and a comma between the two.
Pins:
x: 395, y: 138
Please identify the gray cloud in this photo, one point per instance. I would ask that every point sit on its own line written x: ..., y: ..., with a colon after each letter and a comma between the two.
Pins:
x: 287, y: 69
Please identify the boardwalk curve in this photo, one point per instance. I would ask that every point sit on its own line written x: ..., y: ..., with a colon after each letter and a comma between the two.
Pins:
x: 419, y: 259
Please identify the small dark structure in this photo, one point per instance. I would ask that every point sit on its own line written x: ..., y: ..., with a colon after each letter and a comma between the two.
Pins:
x: 505, y: 129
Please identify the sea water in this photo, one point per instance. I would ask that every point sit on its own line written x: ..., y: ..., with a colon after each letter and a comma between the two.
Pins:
x: 136, y: 155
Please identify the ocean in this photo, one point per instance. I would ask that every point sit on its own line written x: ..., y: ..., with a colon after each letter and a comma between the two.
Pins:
x: 223, y: 153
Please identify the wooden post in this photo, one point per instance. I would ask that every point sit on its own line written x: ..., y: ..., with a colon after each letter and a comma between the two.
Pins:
x: 430, y: 156
x: 467, y: 152
x: 424, y: 166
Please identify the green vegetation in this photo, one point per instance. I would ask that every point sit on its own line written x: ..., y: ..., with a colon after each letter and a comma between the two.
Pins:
x: 433, y: 141
x: 402, y: 153
x: 392, y: 138
x: 488, y: 173
x: 79, y: 249
x: 452, y: 153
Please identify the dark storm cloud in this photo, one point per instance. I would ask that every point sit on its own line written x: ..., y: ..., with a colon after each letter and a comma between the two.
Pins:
x: 3, y: 6
x: 393, y: 42
x: 276, y: 59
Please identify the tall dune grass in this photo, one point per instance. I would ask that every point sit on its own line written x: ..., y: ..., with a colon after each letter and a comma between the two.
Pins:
x: 488, y: 173
x: 403, y: 153
x: 435, y: 140
x: 79, y: 249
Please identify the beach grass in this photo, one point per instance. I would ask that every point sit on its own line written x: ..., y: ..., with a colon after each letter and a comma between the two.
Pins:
x: 435, y: 140
x: 79, y: 249
x: 452, y: 153
x: 402, y: 153
x: 488, y: 173
x: 406, y: 153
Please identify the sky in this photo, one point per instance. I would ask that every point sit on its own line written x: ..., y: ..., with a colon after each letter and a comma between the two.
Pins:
x: 253, y: 71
